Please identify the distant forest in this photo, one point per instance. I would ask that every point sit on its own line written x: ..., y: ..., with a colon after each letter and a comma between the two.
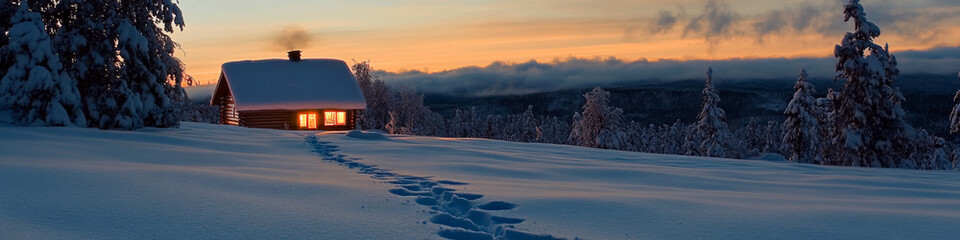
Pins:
x: 929, y: 100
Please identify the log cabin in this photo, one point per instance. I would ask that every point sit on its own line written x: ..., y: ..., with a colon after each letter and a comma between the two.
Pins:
x: 292, y: 94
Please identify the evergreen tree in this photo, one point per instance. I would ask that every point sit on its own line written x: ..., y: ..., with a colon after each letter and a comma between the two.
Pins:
x: 955, y: 113
x: 751, y: 139
x: 34, y: 87
x: 802, y: 129
x: 599, y: 124
x: 710, y: 135
x: 408, y: 115
x: 7, y: 9
x: 361, y: 71
x: 121, y: 56
x: 676, y: 138
x: 869, y: 129
x: 528, y: 126
x: 376, y: 115
x: 552, y: 130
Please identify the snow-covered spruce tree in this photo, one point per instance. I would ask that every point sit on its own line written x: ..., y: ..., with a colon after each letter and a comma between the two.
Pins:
x: 494, y: 126
x: 750, y: 139
x: 147, y: 60
x: 377, y: 113
x: 774, y: 138
x: 465, y: 123
x: 455, y: 125
x: 361, y: 71
x: 955, y: 113
x: 122, y: 59
x: 7, y: 9
x: 711, y: 133
x: 824, y: 116
x: 528, y: 125
x: 408, y: 115
x: 931, y: 153
x: 599, y: 124
x: 88, y: 50
x: 802, y: 129
x: 869, y: 129
x: 552, y: 130
x: 675, y: 138
x: 34, y: 87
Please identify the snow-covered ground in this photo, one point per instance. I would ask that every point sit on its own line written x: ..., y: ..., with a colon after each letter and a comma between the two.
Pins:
x: 207, y: 181
x: 200, y: 181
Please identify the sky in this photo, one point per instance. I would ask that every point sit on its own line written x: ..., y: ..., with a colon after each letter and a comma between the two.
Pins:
x: 437, y: 36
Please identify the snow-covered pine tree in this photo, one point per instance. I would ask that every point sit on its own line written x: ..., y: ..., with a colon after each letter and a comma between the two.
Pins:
x: 7, y: 9
x: 938, y: 158
x: 122, y: 59
x: 377, y: 113
x: 88, y: 51
x: 455, y: 125
x: 528, y: 125
x: 675, y: 138
x: 361, y: 71
x: 955, y: 113
x: 408, y: 115
x: 552, y: 130
x: 599, y: 124
x: 750, y: 138
x: 712, y: 134
x: 494, y: 126
x: 407, y: 112
x: 773, y: 138
x: 34, y: 87
x: 147, y: 60
x: 801, y: 127
x: 824, y: 116
x: 869, y: 129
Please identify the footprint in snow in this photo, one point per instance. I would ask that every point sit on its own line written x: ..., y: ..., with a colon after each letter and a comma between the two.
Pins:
x: 459, y: 213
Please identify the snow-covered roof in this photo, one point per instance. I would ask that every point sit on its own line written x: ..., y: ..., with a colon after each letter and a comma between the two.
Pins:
x: 284, y: 84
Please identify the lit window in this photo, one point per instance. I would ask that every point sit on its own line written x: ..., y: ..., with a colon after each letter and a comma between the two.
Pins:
x: 303, y: 120
x: 312, y: 121
x: 334, y: 118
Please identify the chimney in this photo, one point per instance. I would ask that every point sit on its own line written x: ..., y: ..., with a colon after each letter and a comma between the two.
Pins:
x: 294, y: 55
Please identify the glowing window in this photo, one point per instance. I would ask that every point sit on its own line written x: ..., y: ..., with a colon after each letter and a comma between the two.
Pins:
x: 334, y: 118
x: 312, y: 121
x: 303, y: 120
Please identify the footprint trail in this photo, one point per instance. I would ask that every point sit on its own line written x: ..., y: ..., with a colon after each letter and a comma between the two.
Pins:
x: 462, y: 215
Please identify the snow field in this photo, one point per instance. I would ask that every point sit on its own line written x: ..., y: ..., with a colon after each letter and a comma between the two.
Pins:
x: 460, y: 213
x: 591, y: 193
x: 209, y: 181
x: 200, y: 181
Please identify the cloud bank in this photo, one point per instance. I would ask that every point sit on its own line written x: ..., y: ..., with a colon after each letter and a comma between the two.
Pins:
x: 501, y: 78
x: 921, y: 21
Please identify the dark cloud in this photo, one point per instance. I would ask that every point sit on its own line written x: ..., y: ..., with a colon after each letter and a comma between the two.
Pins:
x: 773, y: 23
x: 501, y: 78
x: 715, y: 23
x: 665, y: 22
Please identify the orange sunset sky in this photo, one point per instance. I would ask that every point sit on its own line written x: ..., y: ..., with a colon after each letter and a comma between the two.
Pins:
x: 435, y: 35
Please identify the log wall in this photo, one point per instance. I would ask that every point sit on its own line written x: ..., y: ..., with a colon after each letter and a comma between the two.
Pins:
x: 289, y: 119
